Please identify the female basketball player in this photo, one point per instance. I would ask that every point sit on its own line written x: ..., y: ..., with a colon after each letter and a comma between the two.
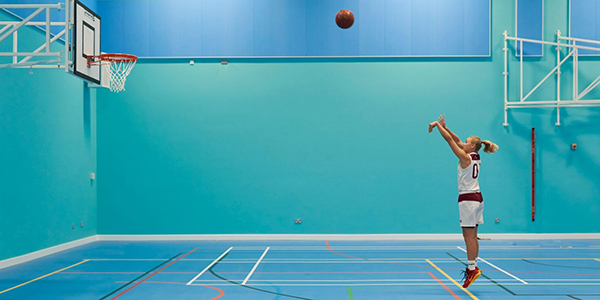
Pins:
x: 470, y: 201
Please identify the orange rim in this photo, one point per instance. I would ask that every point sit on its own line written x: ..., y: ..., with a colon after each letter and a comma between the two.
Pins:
x: 112, y: 58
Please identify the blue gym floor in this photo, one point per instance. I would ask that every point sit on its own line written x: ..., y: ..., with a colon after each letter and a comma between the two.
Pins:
x: 360, y: 270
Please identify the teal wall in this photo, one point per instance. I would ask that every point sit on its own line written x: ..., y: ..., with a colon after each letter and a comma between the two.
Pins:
x: 47, y: 132
x: 47, y: 152
x: 250, y: 146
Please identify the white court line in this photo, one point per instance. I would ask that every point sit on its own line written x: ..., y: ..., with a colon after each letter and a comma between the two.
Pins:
x: 332, y: 260
x: 340, y: 280
x: 334, y: 284
x: 256, y: 265
x: 388, y: 248
x: 211, y: 264
x: 552, y: 284
x: 415, y: 248
x: 489, y: 263
x: 542, y: 281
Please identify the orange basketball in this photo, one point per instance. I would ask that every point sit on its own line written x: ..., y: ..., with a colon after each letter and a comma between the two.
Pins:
x: 344, y: 19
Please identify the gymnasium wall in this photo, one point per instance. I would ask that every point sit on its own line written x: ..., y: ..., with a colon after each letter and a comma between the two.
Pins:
x: 247, y: 147
x: 47, y: 152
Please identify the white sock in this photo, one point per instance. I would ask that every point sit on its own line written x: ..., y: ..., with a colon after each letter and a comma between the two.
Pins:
x: 472, y: 264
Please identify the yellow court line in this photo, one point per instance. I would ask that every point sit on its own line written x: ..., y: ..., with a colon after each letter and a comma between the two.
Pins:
x: 458, y: 285
x: 596, y: 259
x: 30, y: 281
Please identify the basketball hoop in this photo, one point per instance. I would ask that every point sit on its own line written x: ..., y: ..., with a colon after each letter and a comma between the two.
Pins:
x: 117, y: 65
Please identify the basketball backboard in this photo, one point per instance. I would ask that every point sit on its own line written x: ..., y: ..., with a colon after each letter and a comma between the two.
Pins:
x: 86, y: 42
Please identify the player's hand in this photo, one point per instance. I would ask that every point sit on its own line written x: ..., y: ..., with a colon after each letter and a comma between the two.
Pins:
x: 442, y: 120
x: 432, y: 125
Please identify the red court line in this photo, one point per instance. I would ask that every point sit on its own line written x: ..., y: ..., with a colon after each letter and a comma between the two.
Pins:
x: 129, y: 289
x: 552, y: 273
x: 425, y: 266
x: 521, y: 272
x: 113, y: 273
x: 221, y: 292
x: 442, y: 284
x: 389, y: 262
x: 98, y: 273
x: 375, y: 260
x: 321, y: 272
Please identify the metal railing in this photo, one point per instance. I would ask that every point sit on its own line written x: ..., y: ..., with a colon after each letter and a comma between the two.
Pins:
x: 573, y: 53
x: 56, y: 59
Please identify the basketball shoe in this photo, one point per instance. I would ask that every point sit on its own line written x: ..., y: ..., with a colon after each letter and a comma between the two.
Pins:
x: 469, y: 276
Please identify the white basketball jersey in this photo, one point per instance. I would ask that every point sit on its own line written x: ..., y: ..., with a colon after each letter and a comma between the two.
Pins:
x: 468, y: 178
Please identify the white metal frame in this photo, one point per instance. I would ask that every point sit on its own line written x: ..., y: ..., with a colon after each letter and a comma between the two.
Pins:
x: 577, y: 101
x: 59, y: 59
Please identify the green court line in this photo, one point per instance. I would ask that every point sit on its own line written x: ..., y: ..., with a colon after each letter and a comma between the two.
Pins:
x: 350, y: 293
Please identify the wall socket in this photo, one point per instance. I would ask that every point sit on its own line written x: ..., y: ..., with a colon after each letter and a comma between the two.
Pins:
x: 298, y: 221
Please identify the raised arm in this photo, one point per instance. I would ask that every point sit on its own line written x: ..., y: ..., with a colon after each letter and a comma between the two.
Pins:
x: 464, y: 158
x: 455, y: 138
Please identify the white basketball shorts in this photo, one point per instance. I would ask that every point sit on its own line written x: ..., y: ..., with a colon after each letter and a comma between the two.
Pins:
x: 471, y: 213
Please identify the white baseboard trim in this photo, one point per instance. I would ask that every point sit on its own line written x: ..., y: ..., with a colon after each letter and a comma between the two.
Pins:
x: 45, y: 252
x: 347, y: 237
x: 279, y: 237
x: 290, y: 237
x: 541, y: 236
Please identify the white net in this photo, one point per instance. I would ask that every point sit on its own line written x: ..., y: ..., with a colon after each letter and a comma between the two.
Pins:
x: 118, y: 71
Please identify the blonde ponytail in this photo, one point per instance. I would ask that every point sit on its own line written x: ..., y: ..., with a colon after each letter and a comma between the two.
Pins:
x: 489, y: 147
